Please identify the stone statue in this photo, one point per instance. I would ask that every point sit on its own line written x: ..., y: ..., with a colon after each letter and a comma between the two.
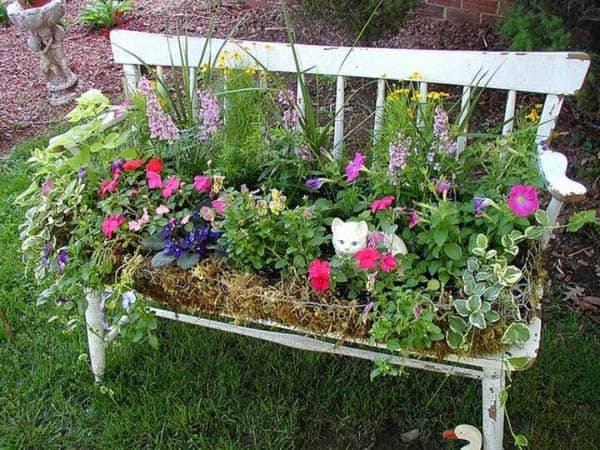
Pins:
x: 46, y: 38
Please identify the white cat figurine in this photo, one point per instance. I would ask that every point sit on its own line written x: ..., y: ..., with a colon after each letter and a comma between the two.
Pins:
x: 350, y: 237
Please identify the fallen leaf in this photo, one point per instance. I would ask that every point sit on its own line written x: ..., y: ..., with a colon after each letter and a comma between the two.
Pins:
x: 574, y: 293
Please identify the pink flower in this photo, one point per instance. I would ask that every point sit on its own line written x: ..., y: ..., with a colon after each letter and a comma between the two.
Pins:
x: 47, y: 186
x: 413, y: 219
x: 382, y: 203
x: 154, y: 180
x: 154, y: 165
x: 136, y: 225
x: 171, y: 186
x: 319, y: 274
x: 367, y: 258
x: 161, y: 210
x: 133, y: 164
x: 109, y: 185
x: 185, y: 219
x: 353, y: 168
x: 207, y: 213
x: 111, y: 224
x: 388, y: 262
x: 220, y: 206
x: 417, y: 310
x: 523, y: 200
x: 202, y: 183
x: 443, y: 186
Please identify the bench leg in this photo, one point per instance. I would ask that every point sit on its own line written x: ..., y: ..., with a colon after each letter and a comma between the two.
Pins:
x: 493, y: 411
x: 94, y: 319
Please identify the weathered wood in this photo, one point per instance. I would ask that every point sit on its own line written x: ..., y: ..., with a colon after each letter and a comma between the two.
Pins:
x: 559, y: 73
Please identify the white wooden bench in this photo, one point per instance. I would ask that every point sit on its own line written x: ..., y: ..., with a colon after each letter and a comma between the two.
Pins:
x: 553, y: 75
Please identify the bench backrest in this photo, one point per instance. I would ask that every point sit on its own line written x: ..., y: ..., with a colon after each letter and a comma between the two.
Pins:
x: 553, y: 74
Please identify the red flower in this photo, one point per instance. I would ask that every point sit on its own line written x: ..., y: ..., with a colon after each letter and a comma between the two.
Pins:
x: 319, y: 274
x: 133, y: 164
x: 367, y: 258
x: 154, y: 165
x: 382, y: 203
x: 388, y: 262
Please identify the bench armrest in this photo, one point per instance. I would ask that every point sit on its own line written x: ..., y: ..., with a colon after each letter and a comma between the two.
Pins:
x: 553, y: 166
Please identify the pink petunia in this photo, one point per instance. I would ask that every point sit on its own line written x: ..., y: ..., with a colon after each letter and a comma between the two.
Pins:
x: 220, y: 206
x: 111, y: 224
x: 170, y: 186
x: 388, y: 262
x: 319, y: 274
x: 413, y: 219
x: 202, y: 183
x: 367, y: 258
x: 382, y: 203
x: 154, y: 180
x: 523, y: 200
x: 353, y: 168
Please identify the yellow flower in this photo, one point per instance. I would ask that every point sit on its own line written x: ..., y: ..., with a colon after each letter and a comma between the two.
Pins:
x: 217, y: 183
x: 415, y: 97
x: 533, y: 115
x: 237, y: 56
x: 250, y: 71
x: 410, y: 113
x: 415, y: 76
x: 437, y: 95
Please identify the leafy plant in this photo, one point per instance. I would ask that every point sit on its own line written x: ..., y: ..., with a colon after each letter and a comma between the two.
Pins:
x: 534, y: 30
x: 104, y: 13
x: 381, y: 16
x: 4, y: 20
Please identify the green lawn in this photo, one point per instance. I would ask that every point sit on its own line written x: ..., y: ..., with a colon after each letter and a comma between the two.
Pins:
x: 210, y: 390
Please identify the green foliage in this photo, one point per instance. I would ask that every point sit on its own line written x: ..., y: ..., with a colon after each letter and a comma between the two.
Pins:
x: 263, y: 234
x: 4, y: 20
x: 534, y: 30
x: 374, y: 18
x: 104, y: 13
x: 404, y: 321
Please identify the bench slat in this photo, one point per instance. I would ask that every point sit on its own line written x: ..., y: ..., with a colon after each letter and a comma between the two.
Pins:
x: 338, y: 131
x: 379, y: 102
x: 509, y: 112
x: 560, y: 73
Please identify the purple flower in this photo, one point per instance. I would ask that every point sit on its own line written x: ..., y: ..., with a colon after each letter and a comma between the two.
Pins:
x: 398, y: 151
x: 353, y: 168
x: 209, y: 115
x: 413, y: 219
x: 441, y: 130
x: 116, y: 165
x: 62, y: 259
x: 315, y: 183
x: 479, y: 205
x: 443, y: 186
x: 127, y: 300
x: 47, y: 254
x: 81, y: 173
x: 417, y: 310
x: 374, y: 238
x: 161, y: 124
x: 367, y: 309
x: 288, y: 103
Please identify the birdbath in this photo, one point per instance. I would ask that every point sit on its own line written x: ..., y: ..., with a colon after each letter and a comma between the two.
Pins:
x: 46, y: 37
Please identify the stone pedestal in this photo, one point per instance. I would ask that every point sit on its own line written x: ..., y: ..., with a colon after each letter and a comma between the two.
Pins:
x: 46, y: 37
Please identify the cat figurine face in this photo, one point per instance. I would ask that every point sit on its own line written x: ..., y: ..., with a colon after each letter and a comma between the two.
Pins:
x: 349, y: 237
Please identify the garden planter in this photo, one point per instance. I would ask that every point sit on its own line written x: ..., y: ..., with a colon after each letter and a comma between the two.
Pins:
x: 422, y: 249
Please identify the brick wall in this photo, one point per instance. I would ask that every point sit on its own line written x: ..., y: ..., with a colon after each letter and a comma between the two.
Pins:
x: 480, y: 11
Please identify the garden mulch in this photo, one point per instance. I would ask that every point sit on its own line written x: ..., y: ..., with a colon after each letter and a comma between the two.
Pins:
x: 25, y: 113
